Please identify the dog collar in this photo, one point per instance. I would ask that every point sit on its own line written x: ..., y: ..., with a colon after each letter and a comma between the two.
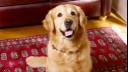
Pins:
x: 70, y: 52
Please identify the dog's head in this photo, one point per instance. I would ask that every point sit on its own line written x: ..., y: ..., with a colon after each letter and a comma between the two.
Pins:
x: 65, y: 20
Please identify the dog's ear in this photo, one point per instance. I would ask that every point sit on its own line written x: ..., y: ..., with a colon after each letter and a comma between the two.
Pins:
x: 48, y: 22
x: 82, y: 17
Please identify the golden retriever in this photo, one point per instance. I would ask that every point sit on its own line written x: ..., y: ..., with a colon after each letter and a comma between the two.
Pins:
x: 68, y: 47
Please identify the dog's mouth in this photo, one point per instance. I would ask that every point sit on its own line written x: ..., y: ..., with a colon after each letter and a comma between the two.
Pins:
x: 67, y: 33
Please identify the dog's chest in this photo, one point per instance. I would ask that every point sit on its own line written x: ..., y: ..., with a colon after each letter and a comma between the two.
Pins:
x: 65, y: 54
x: 67, y: 62
x: 65, y: 57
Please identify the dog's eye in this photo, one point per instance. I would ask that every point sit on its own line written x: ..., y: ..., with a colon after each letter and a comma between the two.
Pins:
x: 73, y: 13
x: 59, y: 15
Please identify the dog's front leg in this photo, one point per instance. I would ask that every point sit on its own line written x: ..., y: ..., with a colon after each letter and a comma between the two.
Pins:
x: 35, y: 62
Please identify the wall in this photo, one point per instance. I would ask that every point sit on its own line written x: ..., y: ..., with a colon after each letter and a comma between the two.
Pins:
x: 121, y: 7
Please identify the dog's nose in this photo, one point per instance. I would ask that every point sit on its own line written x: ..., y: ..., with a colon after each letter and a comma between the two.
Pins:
x: 68, y: 23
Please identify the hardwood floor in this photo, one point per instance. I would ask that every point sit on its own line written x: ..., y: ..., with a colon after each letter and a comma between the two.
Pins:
x: 16, y: 32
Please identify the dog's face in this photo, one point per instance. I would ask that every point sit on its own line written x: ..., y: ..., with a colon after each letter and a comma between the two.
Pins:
x: 65, y: 20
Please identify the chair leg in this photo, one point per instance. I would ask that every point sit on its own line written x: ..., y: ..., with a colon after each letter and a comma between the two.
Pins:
x: 102, y: 18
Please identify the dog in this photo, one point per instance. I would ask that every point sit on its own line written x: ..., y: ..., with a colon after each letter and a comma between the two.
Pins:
x: 68, y: 48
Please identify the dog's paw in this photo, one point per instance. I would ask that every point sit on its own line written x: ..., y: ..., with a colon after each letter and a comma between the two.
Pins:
x: 36, y: 61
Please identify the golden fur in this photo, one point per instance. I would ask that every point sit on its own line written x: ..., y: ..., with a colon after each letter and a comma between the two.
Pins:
x: 65, y: 54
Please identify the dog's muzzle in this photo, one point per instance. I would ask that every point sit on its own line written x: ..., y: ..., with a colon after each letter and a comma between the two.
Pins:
x: 68, y: 25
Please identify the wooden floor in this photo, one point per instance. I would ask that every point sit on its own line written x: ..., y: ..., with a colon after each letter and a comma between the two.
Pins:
x: 16, y: 32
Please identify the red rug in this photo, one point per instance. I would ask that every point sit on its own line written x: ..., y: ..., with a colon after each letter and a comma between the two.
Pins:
x: 109, y: 52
